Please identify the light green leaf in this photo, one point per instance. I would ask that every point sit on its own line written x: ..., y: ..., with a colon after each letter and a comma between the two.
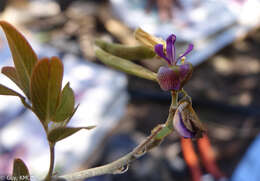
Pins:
x: 20, y: 171
x: 11, y: 73
x: 128, y: 52
x: 72, y: 114
x: 66, y: 106
x: 46, y: 83
x: 23, y: 55
x: 60, y: 133
x: 125, y: 65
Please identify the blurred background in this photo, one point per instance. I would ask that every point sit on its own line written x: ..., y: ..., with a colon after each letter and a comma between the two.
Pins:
x: 224, y: 86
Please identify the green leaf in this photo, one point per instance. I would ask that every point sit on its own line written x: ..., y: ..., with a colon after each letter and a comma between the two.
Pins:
x: 20, y: 171
x: 46, y: 83
x: 66, y: 106
x: 8, y: 92
x: 23, y: 55
x: 125, y: 65
x: 71, y: 115
x: 60, y: 133
x: 128, y: 52
x: 11, y: 73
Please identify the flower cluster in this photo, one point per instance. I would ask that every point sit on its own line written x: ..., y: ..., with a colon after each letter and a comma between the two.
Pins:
x: 173, y: 78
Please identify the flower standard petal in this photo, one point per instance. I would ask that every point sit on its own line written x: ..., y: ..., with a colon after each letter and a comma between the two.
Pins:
x: 169, y: 78
x: 185, y: 73
x: 170, y: 49
x: 189, y: 49
x: 160, y: 52
x: 174, y: 77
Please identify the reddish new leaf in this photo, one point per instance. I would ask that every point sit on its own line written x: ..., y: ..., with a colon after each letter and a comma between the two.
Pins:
x: 46, y: 83
x: 11, y: 73
x: 20, y: 171
x: 8, y: 92
x: 23, y: 55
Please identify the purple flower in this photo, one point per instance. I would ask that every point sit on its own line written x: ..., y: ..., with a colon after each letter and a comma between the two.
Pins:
x: 186, y: 121
x: 174, y: 76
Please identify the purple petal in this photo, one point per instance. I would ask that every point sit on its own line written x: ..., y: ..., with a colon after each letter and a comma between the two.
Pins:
x: 185, y: 73
x: 170, y: 49
x: 168, y: 79
x: 185, y: 69
x: 189, y: 49
x: 159, y: 51
x: 180, y: 127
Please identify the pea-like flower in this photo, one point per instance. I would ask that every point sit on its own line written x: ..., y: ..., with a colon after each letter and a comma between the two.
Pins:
x: 173, y: 77
x: 186, y: 121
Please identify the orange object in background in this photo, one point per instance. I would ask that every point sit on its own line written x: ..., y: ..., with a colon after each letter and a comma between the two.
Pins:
x: 191, y: 158
x: 208, y: 157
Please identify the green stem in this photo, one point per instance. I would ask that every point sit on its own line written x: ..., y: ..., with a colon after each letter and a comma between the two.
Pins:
x: 156, y: 137
x: 115, y: 167
x: 52, y: 158
x: 173, y: 107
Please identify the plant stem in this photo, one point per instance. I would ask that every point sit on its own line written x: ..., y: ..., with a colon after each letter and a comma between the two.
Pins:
x: 52, y: 158
x: 115, y: 167
x: 120, y: 165
x: 105, y: 169
x: 173, y: 107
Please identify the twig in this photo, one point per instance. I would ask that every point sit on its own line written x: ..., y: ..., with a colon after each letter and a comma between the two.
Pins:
x: 121, y: 165
x: 115, y: 167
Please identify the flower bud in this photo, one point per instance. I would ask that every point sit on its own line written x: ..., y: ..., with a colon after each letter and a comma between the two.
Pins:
x: 186, y: 121
x: 147, y: 40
